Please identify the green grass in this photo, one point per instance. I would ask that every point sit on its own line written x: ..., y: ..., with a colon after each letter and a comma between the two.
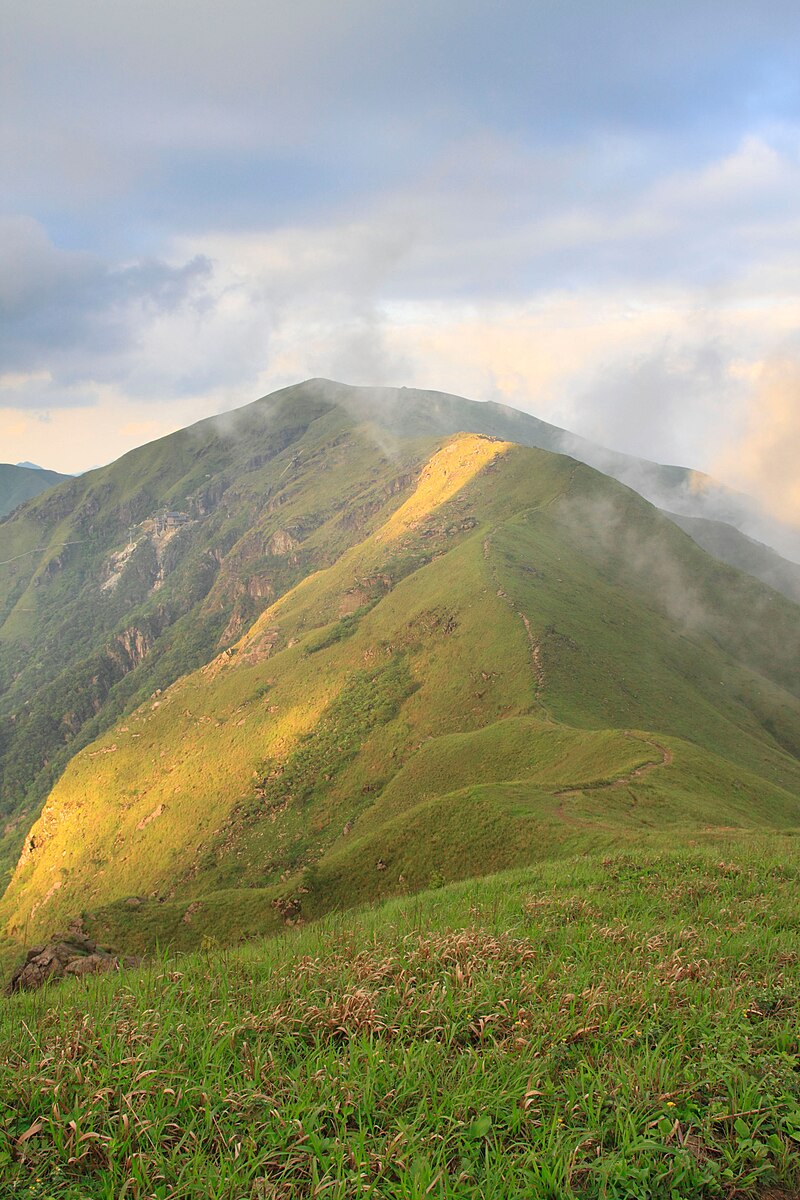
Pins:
x: 617, y: 1027
x: 291, y: 462
x: 328, y: 461
x: 18, y: 484
x: 507, y: 689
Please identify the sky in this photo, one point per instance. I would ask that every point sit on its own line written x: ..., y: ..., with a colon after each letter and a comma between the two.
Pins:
x: 589, y: 211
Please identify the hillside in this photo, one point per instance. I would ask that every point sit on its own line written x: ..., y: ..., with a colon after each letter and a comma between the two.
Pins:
x: 735, y: 548
x: 19, y: 483
x: 104, y: 600
x: 515, y: 656
x: 676, y: 490
x: 609, y: 1026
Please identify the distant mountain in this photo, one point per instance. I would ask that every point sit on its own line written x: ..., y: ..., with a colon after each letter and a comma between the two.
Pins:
x: 677, y: 490
x: 342, y: 642
x: 23, y: 481
x: 731, y: 546
x: 31, y: 466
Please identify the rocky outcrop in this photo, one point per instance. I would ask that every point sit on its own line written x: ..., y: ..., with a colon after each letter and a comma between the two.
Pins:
x: 281, y: 543
x: 67, y: 955
x: 131, y: 647
x: 153, y: 816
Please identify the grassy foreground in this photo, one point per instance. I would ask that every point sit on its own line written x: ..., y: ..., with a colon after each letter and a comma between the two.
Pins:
x: 617, y: 1027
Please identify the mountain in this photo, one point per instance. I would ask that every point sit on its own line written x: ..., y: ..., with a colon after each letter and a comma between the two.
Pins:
x: 19, y: 483
x: 735, y: 548
x: 103, y: 602
x: 677, y: 490
x: 322, y: 652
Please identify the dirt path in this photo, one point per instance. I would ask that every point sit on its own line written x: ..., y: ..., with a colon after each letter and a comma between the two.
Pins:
x: 539, y: 680
x: 38, y: 550
x: 622, y: 781
x: 533, y: 642
x: 537, y: 666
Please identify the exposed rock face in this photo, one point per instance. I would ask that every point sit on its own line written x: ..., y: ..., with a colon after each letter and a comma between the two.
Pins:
x: 67, y: 955
x: 281, y: 543
x: 131, y: 647
x: 153, y: 816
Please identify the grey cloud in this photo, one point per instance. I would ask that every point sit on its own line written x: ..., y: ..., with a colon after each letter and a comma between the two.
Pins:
x: 451, y: 154
x: 604, y: 527
x: 111, y: 96
x: 672, y: 397
x: 74, y: 314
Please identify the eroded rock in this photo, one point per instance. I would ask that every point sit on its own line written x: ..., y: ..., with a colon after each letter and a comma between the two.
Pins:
x: 68, y: 954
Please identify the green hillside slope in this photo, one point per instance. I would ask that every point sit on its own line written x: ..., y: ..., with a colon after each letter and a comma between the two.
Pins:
x: 730, y: 546
x: 603, y: 1027
x: 104, y: 600
x: 523, y: 657
x: 679, y: 491
x: 18, y: 484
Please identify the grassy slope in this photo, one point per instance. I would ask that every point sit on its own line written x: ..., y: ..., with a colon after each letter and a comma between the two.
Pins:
x: 679, y: 490
x: 18, y: 484
x: 488, y: 704
x: 730, y: 546
x: 64, y: 678
x: 620, y: 1027
x: 294, y: 459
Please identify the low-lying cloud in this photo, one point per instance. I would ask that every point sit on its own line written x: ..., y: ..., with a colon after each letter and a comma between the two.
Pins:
x: 765, y: 456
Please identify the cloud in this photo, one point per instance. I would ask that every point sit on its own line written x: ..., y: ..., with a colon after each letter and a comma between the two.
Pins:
x: 765, y: 456
x: 69, y: 316
x: 158, y: 118
x: 673, y: 396
x: 603, y: 526
x: 587, y: 211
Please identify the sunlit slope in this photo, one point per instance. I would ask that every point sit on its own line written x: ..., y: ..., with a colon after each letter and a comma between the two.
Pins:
x: 102, y: 604
x: 522, y: 658
x: 675, y: 489
x: 99, y: 606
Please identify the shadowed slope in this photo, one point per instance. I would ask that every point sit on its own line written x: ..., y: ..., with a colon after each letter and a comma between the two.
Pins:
x: 18, y: 484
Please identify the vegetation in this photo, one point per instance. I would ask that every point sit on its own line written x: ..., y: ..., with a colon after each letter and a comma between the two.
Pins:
x: 18, y: 484
x: 380, y: 667
x: 98, y: 610
x: 554, y: 666
x: 618, y: 1027
x: 368, y: 699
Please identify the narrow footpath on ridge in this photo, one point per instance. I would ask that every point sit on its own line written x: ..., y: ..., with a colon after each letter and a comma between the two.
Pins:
x: 539, y: 680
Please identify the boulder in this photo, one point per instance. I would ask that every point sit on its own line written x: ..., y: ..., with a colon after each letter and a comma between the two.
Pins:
x: 67, y: 955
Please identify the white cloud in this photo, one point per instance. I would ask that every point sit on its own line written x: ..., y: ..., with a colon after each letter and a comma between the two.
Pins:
x: 764, y: 455
x: 585, y: 281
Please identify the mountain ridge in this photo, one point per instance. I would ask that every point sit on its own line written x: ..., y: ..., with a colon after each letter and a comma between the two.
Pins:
x: 507, y: 584
x: 688, y: 491
x: 20, y: 482
x: 180, y: 558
